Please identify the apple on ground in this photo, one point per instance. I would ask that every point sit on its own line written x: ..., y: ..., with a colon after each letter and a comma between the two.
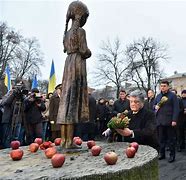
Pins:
x: 91, y: 143
x: 57, y: 141
x: 76, y: 137
x: 16, y: 154
x: 42, y: 147
x: 135, y: 145
x: 58, y: 160
x: 49, y: 152
x: 15, y: 144
x: 96, y: 150
x: 130, y: 152
x: 111, y: 158
x: 38, y: 140
x: 33, y: 147
x: 78, y: 141
x: 47, y: 144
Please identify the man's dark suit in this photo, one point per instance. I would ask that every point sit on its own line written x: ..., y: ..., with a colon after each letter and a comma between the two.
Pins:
x: 143, y: 125
x: 164, y: 118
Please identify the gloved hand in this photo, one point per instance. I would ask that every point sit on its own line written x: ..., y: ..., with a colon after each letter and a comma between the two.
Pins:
x: 107, y: 132
x: 51, y: 122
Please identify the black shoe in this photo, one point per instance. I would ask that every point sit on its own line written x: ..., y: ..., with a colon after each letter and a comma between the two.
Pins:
x: 161, y: 156
x: 171, y: 159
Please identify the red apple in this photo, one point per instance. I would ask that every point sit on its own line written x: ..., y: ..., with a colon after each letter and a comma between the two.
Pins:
x: 95, y: 150
x: 42, y: 146
x: 38, y: 140
x: 15, y: 144
x: 78, y: 141
x: 135, y: 145
x: 57, y: 141
x: 49, y: 152
x: 111, y: 158
x: 16, y: 154
x: 47, y: 144
x: 76, y: 138
x: 33, y: 147
x: 58, y: 160
x: 130, y: 152
x: 91, y: 143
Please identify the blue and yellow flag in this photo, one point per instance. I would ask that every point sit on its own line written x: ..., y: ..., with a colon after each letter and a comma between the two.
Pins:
x: 7, y: 80
x: 52, y: 79
x: 34, y: 82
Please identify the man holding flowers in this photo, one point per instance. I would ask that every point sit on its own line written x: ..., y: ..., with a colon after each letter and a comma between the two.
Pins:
x: 167, y: 109
x: 139, y: 123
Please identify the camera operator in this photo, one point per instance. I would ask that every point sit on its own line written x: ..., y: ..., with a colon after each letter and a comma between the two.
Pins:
x: 13, y: 114
x: 34, y: 106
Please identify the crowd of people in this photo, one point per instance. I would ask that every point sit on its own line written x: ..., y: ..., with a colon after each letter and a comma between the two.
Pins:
x: 155, y: 121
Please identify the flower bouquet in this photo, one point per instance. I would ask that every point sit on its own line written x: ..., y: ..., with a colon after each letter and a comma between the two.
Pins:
x: 120, y: 121
x: 163, y: 100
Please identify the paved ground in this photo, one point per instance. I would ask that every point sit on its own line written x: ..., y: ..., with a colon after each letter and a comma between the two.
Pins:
x: 175, y: 170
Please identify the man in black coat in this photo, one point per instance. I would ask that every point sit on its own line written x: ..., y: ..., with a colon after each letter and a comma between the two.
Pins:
x: 34, y: 106
x: 167, y: 112
x: 142, y: 125
x: 121, y: 105
x: 149, y: 103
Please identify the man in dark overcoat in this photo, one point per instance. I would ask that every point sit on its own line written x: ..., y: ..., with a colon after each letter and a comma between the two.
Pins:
x: 142, y: 124
x: 120, y: 105
x: 167, y: 111
x: 53, y: 111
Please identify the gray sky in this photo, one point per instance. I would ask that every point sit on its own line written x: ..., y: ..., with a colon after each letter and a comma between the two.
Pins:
x: 128, y: 20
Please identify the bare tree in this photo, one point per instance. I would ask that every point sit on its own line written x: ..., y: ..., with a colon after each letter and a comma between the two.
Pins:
x: 111, y: 65
x: 9, y: 41
x: 29, y: 58
x: 43, y: 84
x: 144, y: 57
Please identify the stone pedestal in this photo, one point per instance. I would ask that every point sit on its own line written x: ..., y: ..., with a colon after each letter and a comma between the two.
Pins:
x: 82, y: 166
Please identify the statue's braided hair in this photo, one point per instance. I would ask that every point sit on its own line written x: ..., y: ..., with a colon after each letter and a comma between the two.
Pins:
x: 75, y: 12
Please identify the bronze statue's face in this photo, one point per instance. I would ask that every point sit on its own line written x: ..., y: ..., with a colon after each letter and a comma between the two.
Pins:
x: 83, y: 20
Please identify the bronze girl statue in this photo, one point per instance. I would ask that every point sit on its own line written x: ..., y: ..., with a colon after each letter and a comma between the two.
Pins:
x: 73, y: 107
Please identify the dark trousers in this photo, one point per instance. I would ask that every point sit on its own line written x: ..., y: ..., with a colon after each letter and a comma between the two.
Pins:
x: 10, y: 134
x: 167, y: 136
x: 34, y: 131
x: 180, y: 130
x: 86, y: 131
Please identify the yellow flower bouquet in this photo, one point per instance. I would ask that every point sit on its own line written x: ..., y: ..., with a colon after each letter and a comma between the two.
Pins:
x: 163, y: 100
x: 120, y: 121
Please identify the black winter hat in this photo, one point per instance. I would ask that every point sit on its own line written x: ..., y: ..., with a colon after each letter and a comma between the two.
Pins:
x: 184, y: 91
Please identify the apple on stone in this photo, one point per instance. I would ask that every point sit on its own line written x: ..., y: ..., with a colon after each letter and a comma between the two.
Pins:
x: 111, y: 158
x: 135, y: 145
x: 38, y: 140
x: 91, y: 143
x: 47, y: 144
x: 16, y: 154
x: 96, y: 150
x: 57, y: 141
x: 78, y: 141
x: 49, y: 152
x: 15, y: 144
x: 58, y: 160
x: 76, y: 137
x: 33, y: 147
x: 130, y: 152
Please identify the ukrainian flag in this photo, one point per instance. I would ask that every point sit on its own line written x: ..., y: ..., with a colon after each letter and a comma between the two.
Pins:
x: 52, y: 79
x: 34, y: 82
x: 7, y: 80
